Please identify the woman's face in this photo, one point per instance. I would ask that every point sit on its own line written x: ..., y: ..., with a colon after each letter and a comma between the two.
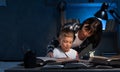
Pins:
x: 86, y: 31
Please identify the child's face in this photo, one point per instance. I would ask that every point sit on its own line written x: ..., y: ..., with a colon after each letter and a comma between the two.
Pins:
x: 66, y: 43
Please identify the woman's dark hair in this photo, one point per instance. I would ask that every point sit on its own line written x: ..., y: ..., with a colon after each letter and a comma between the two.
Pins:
x: 96, y: 25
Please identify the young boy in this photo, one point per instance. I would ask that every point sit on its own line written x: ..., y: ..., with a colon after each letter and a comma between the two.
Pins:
x: 64, y: 49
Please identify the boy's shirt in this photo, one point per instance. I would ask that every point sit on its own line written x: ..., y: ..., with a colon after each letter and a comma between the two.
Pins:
x: 58, y: 53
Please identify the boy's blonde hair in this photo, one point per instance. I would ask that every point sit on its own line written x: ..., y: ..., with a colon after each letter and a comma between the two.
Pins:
x: 66, y: 33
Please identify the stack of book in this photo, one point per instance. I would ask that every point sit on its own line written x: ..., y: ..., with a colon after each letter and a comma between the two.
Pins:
x: 110, y: 61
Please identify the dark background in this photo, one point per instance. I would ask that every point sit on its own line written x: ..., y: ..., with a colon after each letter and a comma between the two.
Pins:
x: 31, y: 24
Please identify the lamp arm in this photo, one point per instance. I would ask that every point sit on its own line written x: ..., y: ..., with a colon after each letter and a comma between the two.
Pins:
x: 115, y: 15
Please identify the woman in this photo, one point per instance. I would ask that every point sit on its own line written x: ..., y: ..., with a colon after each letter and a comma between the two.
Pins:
x: 89, y: 32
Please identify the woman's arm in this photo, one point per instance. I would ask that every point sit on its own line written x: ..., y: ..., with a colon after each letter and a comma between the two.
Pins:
x: 82, y: 46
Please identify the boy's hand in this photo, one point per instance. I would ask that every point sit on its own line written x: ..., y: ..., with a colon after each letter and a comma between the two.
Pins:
x: 50, y: 54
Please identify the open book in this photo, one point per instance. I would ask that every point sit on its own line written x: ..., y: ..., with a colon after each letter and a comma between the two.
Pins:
x: 100, y: 60
x: 49, y: 60
x: 67, y: 65
x: 63, y: 63
x: 45, y: 60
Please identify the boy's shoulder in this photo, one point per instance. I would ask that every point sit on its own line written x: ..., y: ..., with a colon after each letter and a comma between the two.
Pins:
x: 72, y: 50
x: 57, y: 50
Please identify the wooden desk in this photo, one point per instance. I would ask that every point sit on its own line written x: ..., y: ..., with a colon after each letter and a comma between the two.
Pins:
x: 38, y: 69
x: 22, y: 69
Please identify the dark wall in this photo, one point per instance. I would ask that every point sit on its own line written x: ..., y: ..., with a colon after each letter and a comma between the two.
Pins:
x: 26, y: 24
x: 118, y: 4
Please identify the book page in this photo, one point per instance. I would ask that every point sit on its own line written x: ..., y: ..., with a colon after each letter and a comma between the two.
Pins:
x: 99, y: 60
x: 62, y: 61
x: 107, y: 58
x: 99, y: 57
x: 46, y: 58
x: 110, y: 59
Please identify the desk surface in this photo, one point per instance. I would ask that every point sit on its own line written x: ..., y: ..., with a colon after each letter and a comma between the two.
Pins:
x: 39, y: 69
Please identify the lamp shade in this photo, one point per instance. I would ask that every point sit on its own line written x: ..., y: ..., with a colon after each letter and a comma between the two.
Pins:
x: 102, y: 13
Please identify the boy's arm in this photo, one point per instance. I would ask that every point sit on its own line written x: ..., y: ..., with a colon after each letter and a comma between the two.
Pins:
x: 53, y: 44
